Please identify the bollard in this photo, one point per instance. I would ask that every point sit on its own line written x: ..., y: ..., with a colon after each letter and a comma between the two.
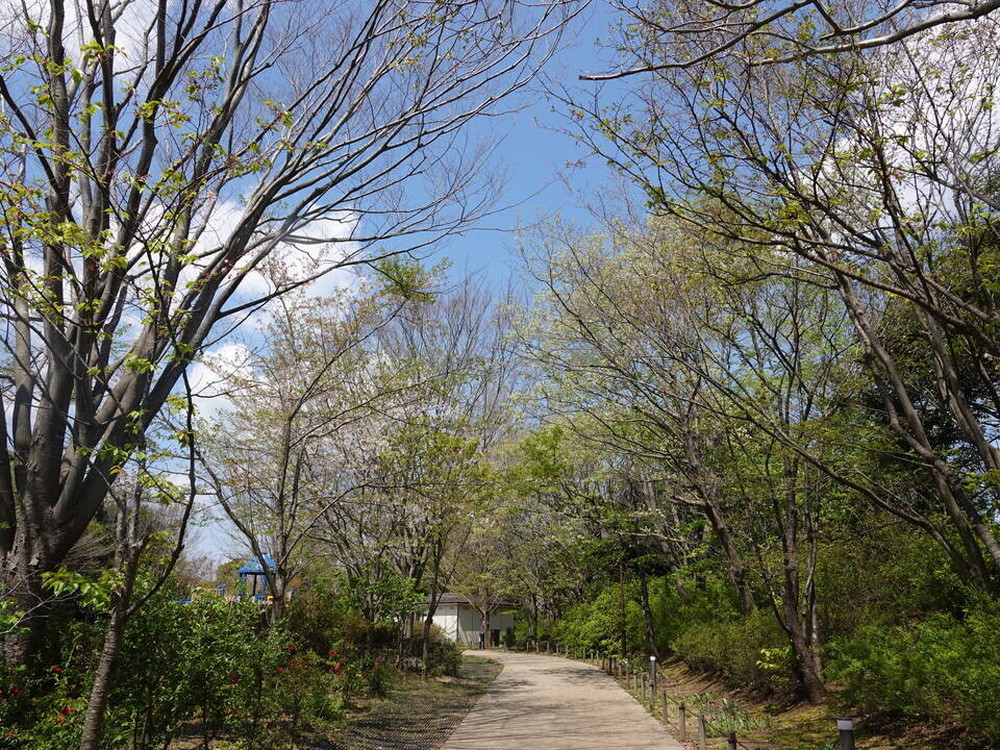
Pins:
x: 731, y: 739
x: 846, y: 729
x: 702, y: 735
x: 682, y: 720
x: 642, y: 690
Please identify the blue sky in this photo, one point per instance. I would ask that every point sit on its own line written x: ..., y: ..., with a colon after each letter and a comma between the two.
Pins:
x: 534, y: 157
x: 541, y: 164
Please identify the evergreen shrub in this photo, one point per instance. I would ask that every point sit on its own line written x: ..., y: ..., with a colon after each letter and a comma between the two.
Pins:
x: 749, y: 652
x: 942, y: 668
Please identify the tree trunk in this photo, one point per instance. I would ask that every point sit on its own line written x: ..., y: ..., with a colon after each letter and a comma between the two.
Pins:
x: 798, y: 624
x: 647, y: 617
x: 533, y: 623
x: 94, y: 718
x: 425, y: 654
x: 425, y: 644
x: 736, y: 569
x: 623, y: 609
x: 25, y: 586
x: 276, y: 587
x: 808, y: 665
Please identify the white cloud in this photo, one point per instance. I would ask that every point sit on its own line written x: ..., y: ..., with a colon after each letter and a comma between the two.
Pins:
x: 319, y: 248
x: 211, y: 378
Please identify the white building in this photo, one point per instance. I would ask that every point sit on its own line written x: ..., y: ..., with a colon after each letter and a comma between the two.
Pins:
x: 462, y: 622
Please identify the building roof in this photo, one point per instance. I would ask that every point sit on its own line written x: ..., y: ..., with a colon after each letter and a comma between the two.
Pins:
x: 451, y: 597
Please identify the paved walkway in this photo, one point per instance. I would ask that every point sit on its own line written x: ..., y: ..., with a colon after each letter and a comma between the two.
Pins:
x: 548, y: 703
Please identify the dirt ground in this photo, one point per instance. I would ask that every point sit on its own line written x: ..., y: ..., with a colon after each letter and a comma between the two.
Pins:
x: 419, y: 715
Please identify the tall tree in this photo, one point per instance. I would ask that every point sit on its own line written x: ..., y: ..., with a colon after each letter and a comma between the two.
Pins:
x: 154, y: 154
x: 876, y: 167
x: 791, y: 30
x: 272, y: 458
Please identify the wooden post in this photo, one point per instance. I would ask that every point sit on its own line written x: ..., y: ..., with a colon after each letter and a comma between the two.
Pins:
x: 642, y: 691
x: 731, y: 739
x: 682, y: 720
x: 702, y: 739
x: 666, y: 708
x: 845, y: 728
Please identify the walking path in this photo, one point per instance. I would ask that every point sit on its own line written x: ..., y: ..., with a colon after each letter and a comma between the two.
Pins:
x: 547, y: 703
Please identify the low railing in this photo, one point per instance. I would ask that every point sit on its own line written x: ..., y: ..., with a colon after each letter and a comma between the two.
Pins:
x: 676, y: 713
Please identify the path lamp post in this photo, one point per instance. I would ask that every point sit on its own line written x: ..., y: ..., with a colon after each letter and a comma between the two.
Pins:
x: 845, y: 728
x: 652, y: 680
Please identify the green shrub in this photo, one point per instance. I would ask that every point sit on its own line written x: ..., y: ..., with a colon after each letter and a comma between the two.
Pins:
x: 210, y: 660
x: 893, y: 574
x: 941, y: 668
x: 752, y: 651
x: 379, y: 678
x: 208, y: 666
x: 598, y: 624
x: 43, y: 708
x: 444, y: 655
x: 320, y: 620
x: 710, y: 600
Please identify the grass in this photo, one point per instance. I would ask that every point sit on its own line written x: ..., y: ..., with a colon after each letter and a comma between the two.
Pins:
x: 724, y: 715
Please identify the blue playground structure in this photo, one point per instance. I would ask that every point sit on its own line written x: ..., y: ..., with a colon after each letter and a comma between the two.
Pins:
x: 253, y: 576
